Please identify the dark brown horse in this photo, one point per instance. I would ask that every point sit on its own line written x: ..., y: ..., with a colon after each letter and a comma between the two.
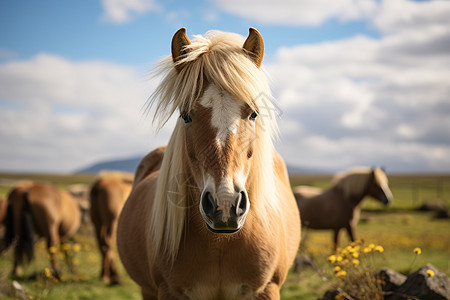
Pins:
x: 108, y: 194
x: 3, y: 210
x: 338, y: 206
x: 42, y: 209
x: 218, y: 220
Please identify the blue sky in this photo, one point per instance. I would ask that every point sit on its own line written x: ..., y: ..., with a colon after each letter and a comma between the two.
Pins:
x: 360, y: 82
x: 76, y: 30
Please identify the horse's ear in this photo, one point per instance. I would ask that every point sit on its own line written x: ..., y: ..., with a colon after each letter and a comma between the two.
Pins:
x: 179, y: 43
x: 254, y: 46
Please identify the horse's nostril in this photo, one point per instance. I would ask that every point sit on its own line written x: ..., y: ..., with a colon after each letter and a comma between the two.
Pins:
x: 242, y: 204
x: 208, y: 204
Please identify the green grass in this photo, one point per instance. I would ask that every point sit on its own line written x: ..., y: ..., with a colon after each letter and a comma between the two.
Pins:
x: 398, y: 228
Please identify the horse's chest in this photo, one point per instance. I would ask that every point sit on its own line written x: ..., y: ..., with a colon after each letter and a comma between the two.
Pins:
x: 231, y: 291
x: 229, y: 273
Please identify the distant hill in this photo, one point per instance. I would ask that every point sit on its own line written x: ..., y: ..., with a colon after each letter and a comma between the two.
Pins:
x: 126, y: 165
x: 130, y: 164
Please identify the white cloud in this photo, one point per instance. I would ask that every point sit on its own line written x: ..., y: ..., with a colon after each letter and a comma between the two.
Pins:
x: 403, y: 15
x: 58, y: 115
x: 300, y: 12
x: 370, y: 101
x: 122, y: 11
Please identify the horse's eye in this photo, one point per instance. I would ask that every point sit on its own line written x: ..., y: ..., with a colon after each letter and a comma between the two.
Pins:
x: 186, y: 117
x: 253, y: 116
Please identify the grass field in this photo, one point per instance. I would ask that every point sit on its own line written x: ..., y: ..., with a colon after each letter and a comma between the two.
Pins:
x: 398, y: 228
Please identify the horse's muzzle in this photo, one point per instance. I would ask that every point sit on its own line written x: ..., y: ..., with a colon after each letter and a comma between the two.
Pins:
x: 219, y: 221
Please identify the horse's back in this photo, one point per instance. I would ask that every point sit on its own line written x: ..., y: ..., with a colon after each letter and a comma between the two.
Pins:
x: 52, y: 206
x: 306, y: 191
x: 149, y: 164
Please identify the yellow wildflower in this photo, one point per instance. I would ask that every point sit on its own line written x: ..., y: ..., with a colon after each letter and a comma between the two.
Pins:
x: 341, y: 273
x: 379, y: 248
x: 367, y: 250
x: 65, y: 247
x: 52, y: 250
x: 417, y: 251
x: 355, y: 262
x: 76, y: 247
x: 332, y: 258
x: 430, y: 273
x: 336, y: 269
x: 355, y: 254
x: 339, y: 258
x: 47, y: 273
x: 372, y: 245
x: 344, y: 252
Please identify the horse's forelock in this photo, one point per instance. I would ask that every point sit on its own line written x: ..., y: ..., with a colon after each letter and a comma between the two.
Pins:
x: 216, y: 58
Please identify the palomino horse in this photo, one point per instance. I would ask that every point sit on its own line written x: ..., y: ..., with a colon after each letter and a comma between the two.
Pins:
x: 108, y: 194
x: 218, y: 220
x: 337, y: 207
x: 42, y: 209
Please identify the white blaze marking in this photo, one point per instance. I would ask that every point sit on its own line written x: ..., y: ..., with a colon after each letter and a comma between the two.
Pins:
x: 226, y: 112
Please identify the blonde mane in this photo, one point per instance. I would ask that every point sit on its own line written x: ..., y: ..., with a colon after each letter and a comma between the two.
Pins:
x: 216, y: 58
x: 354, y: 181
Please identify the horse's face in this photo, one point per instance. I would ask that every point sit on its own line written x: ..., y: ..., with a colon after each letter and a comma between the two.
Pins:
x: 379, y: 188
x: 219, y: 135
x: 220, y: 131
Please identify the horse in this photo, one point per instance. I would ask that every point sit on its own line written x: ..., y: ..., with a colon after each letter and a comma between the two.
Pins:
x: 338, y: 206
x: 3, y: 210
x: 42, y: 209
x: 218, y: 219
x: 149, y: 164
x: 107, y: 196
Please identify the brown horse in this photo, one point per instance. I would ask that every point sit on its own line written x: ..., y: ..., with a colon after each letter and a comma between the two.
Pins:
x: 337, y: 207
x: 107, y: 195
x: 218, y: 220
x: 42, y: 209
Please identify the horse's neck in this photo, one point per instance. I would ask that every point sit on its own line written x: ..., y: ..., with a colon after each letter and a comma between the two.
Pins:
x: 355, y: 199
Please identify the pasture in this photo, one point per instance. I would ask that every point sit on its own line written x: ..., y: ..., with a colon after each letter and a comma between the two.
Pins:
x: 399, y: 229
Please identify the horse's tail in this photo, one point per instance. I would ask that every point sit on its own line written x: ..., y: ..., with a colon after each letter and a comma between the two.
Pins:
x: 19, y: 232
x: 26, y: 237
x: 8, y: 238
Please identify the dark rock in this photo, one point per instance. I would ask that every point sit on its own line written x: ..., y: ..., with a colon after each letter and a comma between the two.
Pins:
x: 423, y: 286
x: 391, y: 279
x: 330, y: 294
x: 419, y: 285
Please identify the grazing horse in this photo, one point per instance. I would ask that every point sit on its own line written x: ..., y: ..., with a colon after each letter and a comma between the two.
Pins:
x: 108, y: 194
x: 42, y: 209
x: 3, y: 210
x: 337, y: 207
x: 218, y: 220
